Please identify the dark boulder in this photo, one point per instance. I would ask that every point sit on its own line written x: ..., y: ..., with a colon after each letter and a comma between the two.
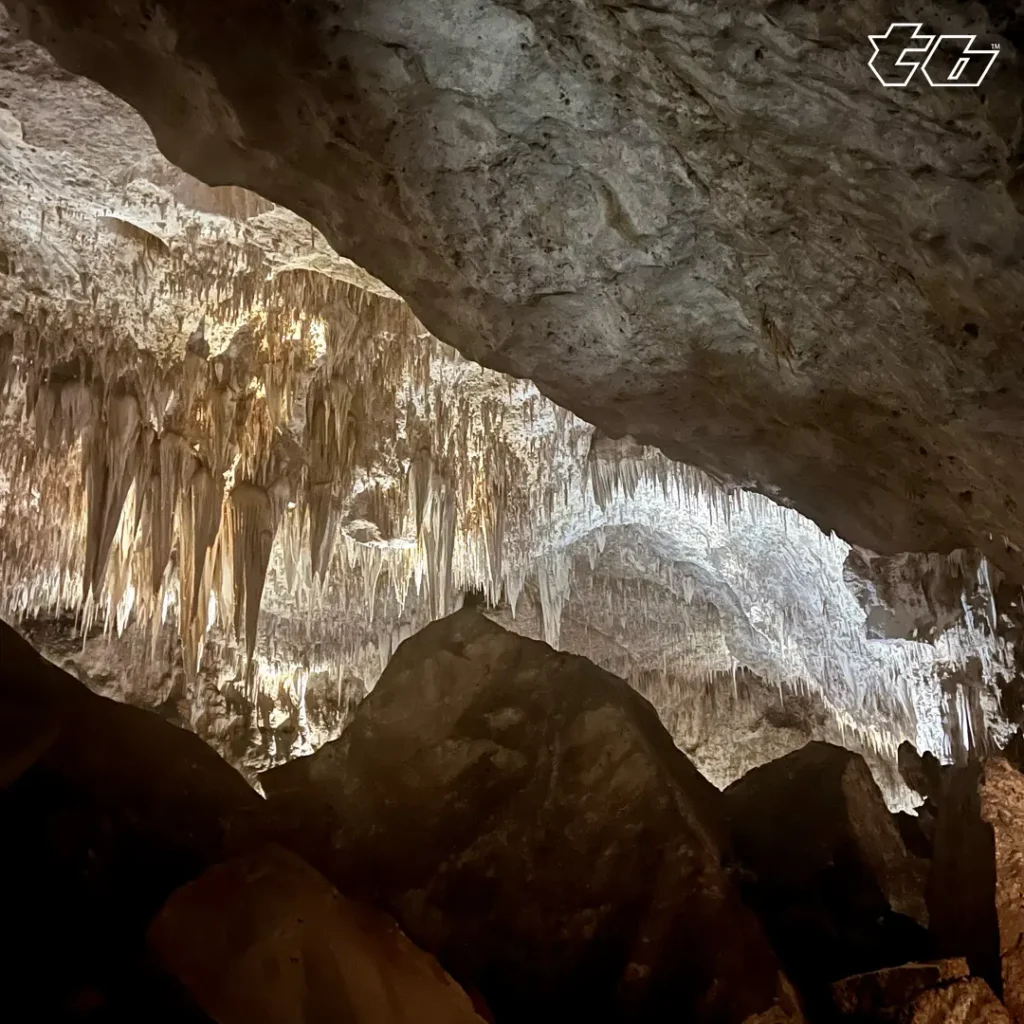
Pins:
x: 917, y: 833
x: 827, y: 870
x: 525, y: 816
x: 926, y: 776
x: 105, y: 809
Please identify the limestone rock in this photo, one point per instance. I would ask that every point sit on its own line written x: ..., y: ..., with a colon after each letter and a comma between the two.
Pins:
x: 828, y: 872
x: 884, y: 995
x: 705, y: 225
x: 976, y: 889
x: 215, y: 328
x: 526, y: 818
x: 108, y: 810
x: 267, y: 940
x: 967, y: 1001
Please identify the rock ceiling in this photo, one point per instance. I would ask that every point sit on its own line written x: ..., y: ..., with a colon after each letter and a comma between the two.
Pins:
x: 244, y: 457
x: 705, y: 225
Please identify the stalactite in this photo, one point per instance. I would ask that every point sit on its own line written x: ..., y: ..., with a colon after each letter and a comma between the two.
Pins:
x: 253, y: 528
x: 112, y: 455
x: 171, y: 461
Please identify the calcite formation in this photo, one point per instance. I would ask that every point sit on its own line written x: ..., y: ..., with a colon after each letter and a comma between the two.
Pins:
x: 232, y: 456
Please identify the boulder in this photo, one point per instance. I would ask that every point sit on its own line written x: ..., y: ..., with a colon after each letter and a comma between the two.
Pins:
x: 966, y: 1001
x: 105, y: 809
x: 884, y: 995
x: 827, y: 869
x: 266, y: 939
x: 976, y: 887
x: 525, y: 816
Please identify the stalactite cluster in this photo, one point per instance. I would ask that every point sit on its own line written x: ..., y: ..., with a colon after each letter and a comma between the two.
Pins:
x: 337, y: 469
x: 217, y: 432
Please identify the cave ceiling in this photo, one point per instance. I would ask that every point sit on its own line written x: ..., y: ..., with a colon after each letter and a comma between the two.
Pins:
x: 704, y: 225
x: 229, y: 444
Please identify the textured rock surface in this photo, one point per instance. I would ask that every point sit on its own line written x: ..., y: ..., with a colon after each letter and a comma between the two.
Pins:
x: 110, y: 811
x: 884, y: 995
x: 829, y: 874
x: 976, y: 891
x: 267, y: 940
x: 526, y: 817
x: 168, y: 336
x: 969, y: 1001
x: 777, y: 269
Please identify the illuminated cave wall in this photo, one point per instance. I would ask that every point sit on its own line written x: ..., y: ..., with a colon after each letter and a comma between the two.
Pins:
x: 233, y: 458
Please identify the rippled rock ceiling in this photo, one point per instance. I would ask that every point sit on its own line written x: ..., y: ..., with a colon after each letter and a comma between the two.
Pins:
x: 237, y: 469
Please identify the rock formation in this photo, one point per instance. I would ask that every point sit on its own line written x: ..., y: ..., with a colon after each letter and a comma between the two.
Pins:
x: 529, y: 820
x: 105, y: 810
x: 525, y: 816
x: 780, y: 270
x: 828, y: 871
x: 191, y: 375
x: 976, y: 891
x: 260, y: 426
x: 267, y: 940
x: 928, y: 993
x: 967, y: 1001
x: 886, y: 993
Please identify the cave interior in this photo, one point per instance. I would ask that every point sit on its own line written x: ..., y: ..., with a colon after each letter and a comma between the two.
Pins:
x: 512, y: 510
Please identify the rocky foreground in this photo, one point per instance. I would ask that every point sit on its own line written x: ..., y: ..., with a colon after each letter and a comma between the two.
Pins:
x: 502, y: 833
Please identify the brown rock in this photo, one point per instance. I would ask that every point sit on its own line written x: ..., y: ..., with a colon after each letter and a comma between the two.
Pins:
x: 976, y: 889
x: 527, y: 818
x: 268, y: 940
x: 883, y: 995
x: 967, y: 1001
x: 107, y: 810
x: 829, y: 874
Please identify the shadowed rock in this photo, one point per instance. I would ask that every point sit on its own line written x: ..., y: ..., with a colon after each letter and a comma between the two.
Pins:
x: 105, y: 810
x: 884, y: 995
x: 268, y: 940
x: 976, y: 888
x: 829, y: 874
x: 526, y: 817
